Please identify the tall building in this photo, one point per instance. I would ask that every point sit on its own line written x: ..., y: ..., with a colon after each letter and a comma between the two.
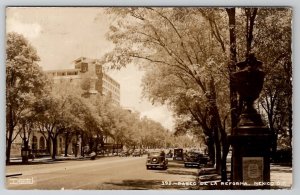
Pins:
x: 88, y: 74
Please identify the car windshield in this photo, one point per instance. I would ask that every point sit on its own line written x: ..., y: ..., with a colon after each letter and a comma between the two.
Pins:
x: 193, y: 154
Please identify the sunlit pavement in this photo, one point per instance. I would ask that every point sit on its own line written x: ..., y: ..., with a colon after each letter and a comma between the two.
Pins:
x: 105, y: 173
x: 281, y: 176
x: 116, y: 173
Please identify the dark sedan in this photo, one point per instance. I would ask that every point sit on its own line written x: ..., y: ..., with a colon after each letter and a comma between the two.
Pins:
x: 137, y: 153
x: 157, y: 160
x: 195, y: 159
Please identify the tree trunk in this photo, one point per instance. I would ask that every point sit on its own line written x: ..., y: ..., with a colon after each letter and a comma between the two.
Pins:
x: 218, y: 150
x: 234, y: 108
x: 54, y: 147
x: 232, y: 67
x: 10, y: 135
x: 76, y: 146
x: 225, y: 150
x: 91, y: 144
x: 8, y: 148
x: 273, y: 138
x: 48, y: 140
x: 217, y: 126
x: 98, y: 140
x: 211, y: 149
x: 26, y: 148
x: 67, y: 143
x: 290, y: 121
x: 117, y: 149
x: 82, y: 146
x: 251, y: 15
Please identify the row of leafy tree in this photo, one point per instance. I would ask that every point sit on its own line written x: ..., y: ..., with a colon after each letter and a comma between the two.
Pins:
x: 189, y: 55
x: 35, y: 103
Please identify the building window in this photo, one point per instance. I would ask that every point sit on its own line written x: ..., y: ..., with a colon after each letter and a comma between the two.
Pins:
x: 98, y: 69
x: 84, y: 67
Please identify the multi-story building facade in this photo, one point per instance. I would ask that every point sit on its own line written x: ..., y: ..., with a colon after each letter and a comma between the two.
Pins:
x: 89, y: 75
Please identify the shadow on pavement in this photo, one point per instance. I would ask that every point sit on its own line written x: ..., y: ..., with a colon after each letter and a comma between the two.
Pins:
x: 138, y: 184
x: 34, y: 163
x: 282, y: 170
x: 177, y: 165
x: 177, y: 168
x: 181, y: 172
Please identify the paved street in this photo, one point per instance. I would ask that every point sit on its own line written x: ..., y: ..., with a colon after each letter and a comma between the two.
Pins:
x: 115, y: 173
x: 104, y: 173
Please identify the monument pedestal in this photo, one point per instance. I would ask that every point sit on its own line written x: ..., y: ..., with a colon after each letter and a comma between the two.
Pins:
x: 251, y: 139
x: 251, y: 157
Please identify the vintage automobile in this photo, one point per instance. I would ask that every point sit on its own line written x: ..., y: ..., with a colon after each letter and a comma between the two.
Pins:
x: 136, y: 153
x: 169, y: 154
x: 157, y: 160
x: 195, y: 159
x: 178, y: 154
x: 124, y: 154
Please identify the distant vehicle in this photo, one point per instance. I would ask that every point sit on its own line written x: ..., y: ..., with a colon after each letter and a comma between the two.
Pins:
x: 137, y: 153
x: 144, y: 151
x: 124, y: 154
x: 115, y: 154
x: 195, y: 159
x: 157, y: 160
x: 178, y: 154
x: 169, y: 154
x: 93, y: 155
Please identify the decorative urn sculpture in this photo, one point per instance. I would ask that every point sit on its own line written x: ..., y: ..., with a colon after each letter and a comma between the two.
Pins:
x: 248, y: 82
x: 250, y: 139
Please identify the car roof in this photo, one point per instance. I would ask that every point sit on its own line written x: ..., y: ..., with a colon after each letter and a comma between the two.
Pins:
x: 194, y: 152
x: 155, y: 153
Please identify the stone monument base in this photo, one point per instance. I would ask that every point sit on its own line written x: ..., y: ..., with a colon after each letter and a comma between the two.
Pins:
x: 251, y: 157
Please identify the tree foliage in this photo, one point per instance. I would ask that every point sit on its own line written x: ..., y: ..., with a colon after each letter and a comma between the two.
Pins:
x: 188, y: 60
x: 190, y: 53
x: 25, y: 84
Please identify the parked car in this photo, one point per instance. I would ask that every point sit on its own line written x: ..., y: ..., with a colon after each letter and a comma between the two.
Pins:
x: 136, y: 153
x: 143, y: 151
x: 169, y: 154
x: 93, y: 155
x: 195, y: 159
x: 124, y: 154
x: 178, y: 154
x: 157, y: 160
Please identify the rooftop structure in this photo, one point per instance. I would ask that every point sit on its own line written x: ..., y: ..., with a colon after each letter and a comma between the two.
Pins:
x: 88, y: 74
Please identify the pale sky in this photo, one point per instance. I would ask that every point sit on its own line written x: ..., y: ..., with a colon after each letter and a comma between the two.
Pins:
x: 61, y: 35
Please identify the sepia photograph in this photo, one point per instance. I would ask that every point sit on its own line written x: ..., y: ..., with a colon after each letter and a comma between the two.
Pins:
x: 149, y: 98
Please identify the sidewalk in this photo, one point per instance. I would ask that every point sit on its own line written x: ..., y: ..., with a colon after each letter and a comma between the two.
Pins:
x: 16, y: 162
x: 281, y: 176
x: 48, y: 159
